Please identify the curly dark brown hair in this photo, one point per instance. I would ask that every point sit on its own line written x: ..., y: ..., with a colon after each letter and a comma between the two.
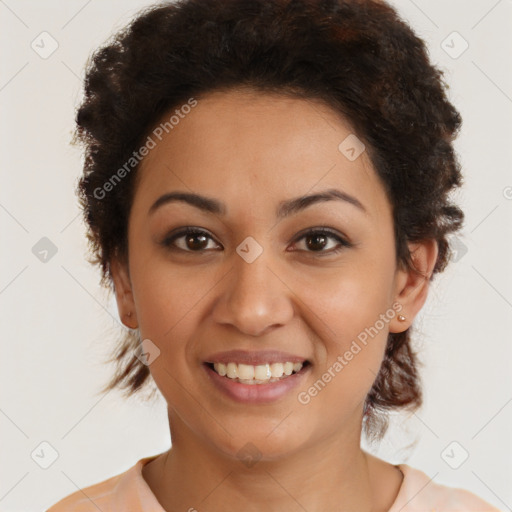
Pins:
x: 357, y: 56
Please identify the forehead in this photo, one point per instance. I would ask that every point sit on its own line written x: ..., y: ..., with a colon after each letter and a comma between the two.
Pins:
x: 258, y: 148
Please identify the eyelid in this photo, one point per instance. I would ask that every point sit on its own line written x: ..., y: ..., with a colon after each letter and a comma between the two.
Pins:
x: 183, y: 231
x: 321, y: 229
x: 325, y: 230
x: 343, y: 241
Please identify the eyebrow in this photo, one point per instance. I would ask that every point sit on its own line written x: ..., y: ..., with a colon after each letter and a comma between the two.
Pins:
x: 284, y: 209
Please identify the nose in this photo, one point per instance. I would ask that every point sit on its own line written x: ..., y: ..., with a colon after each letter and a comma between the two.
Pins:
x: 254, y: 297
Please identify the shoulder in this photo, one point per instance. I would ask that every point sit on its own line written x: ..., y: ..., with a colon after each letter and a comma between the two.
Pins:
x: 420, y: 493
x: 124, y: 491
x: 94, y: 497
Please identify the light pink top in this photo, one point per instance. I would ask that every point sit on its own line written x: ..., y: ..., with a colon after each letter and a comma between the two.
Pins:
x: 129, y: 492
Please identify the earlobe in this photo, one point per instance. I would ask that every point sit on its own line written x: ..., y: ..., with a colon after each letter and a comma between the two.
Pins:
x: 123, y: 292
x: 412, y: 285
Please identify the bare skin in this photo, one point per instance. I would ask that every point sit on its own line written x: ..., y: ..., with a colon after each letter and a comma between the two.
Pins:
x: 252, y: 151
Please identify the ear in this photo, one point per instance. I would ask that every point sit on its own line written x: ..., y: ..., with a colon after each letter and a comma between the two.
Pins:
x: 124, y: 295
x: 411, y: 287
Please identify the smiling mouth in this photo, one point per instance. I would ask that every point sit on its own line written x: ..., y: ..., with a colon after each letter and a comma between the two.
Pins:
x: 259, y: 374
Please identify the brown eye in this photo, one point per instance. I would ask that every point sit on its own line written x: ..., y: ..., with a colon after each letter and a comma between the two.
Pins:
x: 190, y: 240
x: 318, y: 239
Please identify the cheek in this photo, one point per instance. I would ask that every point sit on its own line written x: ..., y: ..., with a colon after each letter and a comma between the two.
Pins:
x: 173, y: 303
x: 351, y: 305
x: 351, y: 298
x: 165, y: 294
x: 353, y: 341
x: 169, y: 306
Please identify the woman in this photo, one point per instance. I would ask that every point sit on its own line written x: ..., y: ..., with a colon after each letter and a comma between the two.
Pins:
x: 266, y: 186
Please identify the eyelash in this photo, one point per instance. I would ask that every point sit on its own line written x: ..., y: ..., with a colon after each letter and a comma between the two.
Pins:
x: 343, y: 243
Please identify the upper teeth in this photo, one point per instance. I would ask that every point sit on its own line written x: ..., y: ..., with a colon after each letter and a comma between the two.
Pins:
x: 261, y: 372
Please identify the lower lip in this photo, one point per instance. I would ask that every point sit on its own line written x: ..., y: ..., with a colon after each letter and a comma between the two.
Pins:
x: 256, y: 393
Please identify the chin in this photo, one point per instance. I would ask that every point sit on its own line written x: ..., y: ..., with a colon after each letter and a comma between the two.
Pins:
x: 259, y: 445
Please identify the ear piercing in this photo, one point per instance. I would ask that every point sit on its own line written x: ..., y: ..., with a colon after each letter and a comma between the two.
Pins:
x: 401, y: 318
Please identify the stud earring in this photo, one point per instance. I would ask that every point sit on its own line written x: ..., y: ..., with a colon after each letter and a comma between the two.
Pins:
x: 401, y: 318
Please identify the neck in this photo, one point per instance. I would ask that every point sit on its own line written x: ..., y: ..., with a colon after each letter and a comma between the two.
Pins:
x: 333, y: 474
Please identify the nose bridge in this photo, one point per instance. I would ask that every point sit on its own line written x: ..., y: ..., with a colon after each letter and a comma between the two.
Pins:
x: 254, y: 298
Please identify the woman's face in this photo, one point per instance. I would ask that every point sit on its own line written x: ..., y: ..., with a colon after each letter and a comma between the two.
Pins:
x: 254, y: 280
